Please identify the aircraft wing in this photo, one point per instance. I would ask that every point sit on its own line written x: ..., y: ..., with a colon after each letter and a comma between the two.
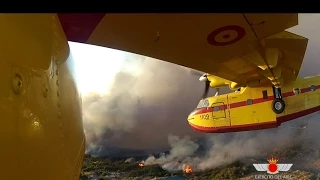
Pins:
x: 248, y: 49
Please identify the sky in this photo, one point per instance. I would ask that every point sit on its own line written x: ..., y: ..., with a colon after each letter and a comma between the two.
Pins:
x: 133, y: 101
x: 94, y: 66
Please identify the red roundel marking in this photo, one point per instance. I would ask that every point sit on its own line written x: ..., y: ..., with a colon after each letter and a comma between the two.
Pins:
x: 273, y: 167
x: 211, y: 37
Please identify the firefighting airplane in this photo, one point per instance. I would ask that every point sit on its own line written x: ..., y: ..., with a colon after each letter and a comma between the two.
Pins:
x: 41, y: 132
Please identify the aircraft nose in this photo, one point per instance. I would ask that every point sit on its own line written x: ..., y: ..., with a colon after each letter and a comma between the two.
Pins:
x: 191, y: 116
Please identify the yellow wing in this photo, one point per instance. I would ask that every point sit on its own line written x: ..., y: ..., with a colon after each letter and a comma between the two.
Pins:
x: 247, y: 49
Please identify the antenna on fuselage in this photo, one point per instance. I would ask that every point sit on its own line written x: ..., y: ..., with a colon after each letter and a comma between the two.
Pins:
x: 217, y: 91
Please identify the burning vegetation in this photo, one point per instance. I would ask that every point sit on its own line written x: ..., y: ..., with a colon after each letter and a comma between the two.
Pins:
x: 141, y: 164
x: 106, y: 168
x: 232, y: 160
x: 187, y: 169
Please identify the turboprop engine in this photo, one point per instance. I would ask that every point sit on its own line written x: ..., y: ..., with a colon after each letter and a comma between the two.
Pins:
x: 217, y: 82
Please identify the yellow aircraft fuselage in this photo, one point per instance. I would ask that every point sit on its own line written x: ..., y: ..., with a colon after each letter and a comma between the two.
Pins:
x: 41, y: 133
x: 251, y: 108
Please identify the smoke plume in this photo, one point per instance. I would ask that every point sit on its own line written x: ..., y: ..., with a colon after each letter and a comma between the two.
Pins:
x: 142, y: 106
x: 221, y: 149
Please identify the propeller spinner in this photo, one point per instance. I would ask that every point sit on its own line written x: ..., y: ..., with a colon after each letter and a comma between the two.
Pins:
x: 205, y: 79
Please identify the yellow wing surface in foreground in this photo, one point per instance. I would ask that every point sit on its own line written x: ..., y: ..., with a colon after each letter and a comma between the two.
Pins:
x: 248, y: 49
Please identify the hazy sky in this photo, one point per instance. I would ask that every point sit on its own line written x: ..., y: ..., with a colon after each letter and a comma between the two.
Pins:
x: 135, y: 101
x: 308, y: 27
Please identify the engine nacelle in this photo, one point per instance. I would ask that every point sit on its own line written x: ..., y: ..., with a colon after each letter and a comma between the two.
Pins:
x: 235, y: 86
x: 216, y: 82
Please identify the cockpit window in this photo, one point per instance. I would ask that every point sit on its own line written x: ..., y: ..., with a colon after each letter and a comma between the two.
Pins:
x: 203, y: 103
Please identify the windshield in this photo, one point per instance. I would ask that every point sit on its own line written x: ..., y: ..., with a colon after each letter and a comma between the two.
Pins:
x: 203, y: 103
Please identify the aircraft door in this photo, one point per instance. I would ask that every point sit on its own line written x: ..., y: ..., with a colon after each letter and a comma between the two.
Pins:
x: 218, y: 110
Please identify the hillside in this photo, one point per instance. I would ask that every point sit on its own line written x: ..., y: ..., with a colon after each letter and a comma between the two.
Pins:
x: 304, y: 155
x: 306, y: 166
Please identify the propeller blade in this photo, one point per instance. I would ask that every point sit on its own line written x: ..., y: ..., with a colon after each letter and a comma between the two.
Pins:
x: 206, y: 90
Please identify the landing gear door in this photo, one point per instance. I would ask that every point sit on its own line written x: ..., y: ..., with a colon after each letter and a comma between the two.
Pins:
x: 218, y: 110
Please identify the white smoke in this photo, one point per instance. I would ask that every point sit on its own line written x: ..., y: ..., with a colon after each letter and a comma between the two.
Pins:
x: 143, y: 105
x: 181, y: 149
x: 129, y: 160
x: 222, y: 149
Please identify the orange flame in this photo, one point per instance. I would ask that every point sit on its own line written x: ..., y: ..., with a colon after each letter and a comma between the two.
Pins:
x: 188, y: 169
x: 141, y: 164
